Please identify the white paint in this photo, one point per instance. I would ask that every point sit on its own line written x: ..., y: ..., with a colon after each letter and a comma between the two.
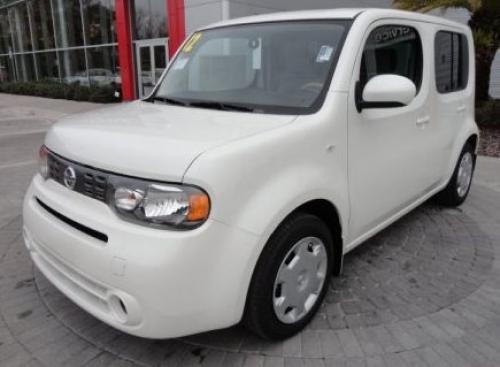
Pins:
x: 389, y: 88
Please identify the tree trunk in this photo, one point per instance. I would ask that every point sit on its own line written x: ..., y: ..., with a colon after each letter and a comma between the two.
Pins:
x: 486, y: 23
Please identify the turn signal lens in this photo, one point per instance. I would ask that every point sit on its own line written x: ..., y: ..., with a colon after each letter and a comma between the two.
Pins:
x: 199, y: 207
x: 43, y: 163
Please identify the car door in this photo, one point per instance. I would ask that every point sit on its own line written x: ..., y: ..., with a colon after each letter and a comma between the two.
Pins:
x: 451, y: 69
x: 386, y: 145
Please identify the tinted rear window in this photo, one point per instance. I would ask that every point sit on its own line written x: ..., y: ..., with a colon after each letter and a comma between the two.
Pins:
x: 451, y: 61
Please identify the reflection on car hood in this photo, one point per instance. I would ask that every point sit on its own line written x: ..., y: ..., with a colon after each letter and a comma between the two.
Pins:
x: 153, y: 141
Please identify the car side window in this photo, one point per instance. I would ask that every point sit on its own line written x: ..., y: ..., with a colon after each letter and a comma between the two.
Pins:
x: 393, y: 49
x: 451, y: 60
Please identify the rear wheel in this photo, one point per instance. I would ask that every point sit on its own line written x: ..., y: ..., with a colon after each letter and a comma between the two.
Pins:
x: 291, y: 278
x: 458, y: 188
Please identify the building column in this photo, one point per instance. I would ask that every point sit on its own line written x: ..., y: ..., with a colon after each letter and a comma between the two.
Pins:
x: 125, y: 53
x: 176, y: 25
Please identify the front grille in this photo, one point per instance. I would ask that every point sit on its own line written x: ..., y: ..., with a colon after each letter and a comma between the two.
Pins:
x: 89, y: 181
x: 95, y: 186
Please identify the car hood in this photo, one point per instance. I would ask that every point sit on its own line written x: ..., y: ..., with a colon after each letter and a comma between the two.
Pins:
x: 147, y: 140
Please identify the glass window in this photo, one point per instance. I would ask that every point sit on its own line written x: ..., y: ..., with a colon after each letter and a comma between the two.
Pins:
x: 48, y: 66
x: 72, y: 65
x: 150, y: 19
x: 25, y: 68
x: 41, y: 24
x: 19, y: 27
x: 99, y: 18
x: 451, y: 60
x: 160, y: 61
x: 103, y: 69
x: 7, y: 71
x: 5, y: 36
x: 68, y: 22
x: 392, y: 49
x: 281, y: 67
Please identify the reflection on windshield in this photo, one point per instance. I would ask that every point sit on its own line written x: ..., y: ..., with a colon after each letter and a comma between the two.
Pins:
x: 281, y: 67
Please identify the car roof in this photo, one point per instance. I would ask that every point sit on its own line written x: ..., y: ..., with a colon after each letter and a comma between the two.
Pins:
x: 347, y: 13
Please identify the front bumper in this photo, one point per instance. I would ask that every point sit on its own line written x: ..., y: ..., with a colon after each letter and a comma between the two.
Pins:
x: 147, y: 282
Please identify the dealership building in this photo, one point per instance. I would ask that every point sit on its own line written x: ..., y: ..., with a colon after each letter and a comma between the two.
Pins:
x: 127, y: 43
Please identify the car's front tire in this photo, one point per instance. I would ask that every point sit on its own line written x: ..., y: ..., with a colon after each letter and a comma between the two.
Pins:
x: 455, y: 193
x: 291, y: 277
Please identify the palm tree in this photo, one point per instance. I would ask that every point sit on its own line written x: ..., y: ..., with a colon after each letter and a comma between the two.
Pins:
x: 485, y: 25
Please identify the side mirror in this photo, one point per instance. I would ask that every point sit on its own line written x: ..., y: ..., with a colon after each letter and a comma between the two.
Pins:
x: 385, y: 91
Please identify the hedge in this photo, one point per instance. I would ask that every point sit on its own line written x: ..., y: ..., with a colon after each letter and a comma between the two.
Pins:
x: 488, y: 113
x: 62, y: 91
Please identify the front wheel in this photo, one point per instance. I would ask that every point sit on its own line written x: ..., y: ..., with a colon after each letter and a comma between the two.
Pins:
x: 458, y: 188
x: 291, y: 278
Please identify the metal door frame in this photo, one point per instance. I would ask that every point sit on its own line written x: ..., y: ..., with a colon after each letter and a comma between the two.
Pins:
x: 151, y: 44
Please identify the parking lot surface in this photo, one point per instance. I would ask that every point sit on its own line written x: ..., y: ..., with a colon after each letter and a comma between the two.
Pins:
x: 424, y: 292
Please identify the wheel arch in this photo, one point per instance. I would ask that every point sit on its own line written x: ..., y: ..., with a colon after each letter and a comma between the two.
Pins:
x: 328, y: 213
x: 473, y: 140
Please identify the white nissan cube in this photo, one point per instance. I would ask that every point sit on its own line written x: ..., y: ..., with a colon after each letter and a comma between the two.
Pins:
x: 271, y: 147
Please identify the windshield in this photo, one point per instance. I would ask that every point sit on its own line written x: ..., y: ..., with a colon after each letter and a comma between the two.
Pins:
x: 281, y: 67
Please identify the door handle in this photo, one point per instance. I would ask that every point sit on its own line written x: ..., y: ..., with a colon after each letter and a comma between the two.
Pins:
x: 461, y: 108
x: 422, y: 121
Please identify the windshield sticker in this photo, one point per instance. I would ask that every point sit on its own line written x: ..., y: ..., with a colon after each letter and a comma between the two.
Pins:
x: 180, y: 63
x: 192, y: 42
x: 324, y: 54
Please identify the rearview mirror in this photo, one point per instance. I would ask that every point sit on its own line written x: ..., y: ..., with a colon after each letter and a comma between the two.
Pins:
x: 385, y: 91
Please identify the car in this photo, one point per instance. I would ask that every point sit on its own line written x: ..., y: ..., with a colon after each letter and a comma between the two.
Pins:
x: 272, y: 146
x: 97, y: 77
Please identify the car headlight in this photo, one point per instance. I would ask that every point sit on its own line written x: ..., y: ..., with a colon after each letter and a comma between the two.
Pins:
x: 43, y: 161
x: 160, y: 204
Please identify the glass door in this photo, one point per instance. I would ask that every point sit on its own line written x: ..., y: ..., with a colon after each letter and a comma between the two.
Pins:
x: 152, y: 59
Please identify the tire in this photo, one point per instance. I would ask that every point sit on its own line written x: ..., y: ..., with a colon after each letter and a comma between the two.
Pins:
x: 455, y: 193
x: 298, y: 244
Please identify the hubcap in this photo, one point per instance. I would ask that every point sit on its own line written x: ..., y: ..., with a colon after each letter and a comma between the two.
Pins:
x: 464, y: 175
x: 300, y: 279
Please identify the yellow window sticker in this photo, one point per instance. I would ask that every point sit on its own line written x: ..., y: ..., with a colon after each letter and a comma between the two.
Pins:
x: 192, y: 42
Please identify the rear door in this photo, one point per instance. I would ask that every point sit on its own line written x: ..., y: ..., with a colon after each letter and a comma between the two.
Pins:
x: 451, y: 66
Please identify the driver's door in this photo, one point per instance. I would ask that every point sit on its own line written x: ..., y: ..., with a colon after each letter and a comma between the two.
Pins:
x: 385, y: 145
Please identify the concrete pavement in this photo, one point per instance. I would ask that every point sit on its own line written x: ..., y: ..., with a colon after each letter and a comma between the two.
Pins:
x: 424, y: 292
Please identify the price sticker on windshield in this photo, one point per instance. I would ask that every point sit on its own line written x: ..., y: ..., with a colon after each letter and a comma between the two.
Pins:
x: 324, y: 54
x: 192, y: 42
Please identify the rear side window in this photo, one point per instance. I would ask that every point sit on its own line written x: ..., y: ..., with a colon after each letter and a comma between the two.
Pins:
x: 392, y: 49
x: 451, y: 61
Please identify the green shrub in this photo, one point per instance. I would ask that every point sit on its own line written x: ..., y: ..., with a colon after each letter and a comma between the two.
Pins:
x: 56, y: 90
x: 81, y: 93
x: 488, y: 113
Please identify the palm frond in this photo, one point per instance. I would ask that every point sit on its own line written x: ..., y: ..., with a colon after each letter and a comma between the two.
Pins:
x: 427, y: 5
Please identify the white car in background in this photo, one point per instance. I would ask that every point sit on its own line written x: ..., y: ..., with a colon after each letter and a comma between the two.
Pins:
x: 272, y: 146
x: 97, y: 77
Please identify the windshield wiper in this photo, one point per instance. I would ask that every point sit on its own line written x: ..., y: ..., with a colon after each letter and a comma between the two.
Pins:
x: 221, y: 106
x: 168, y: 100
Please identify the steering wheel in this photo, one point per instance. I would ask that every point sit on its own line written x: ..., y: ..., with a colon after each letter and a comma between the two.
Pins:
x: 313, y: 87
